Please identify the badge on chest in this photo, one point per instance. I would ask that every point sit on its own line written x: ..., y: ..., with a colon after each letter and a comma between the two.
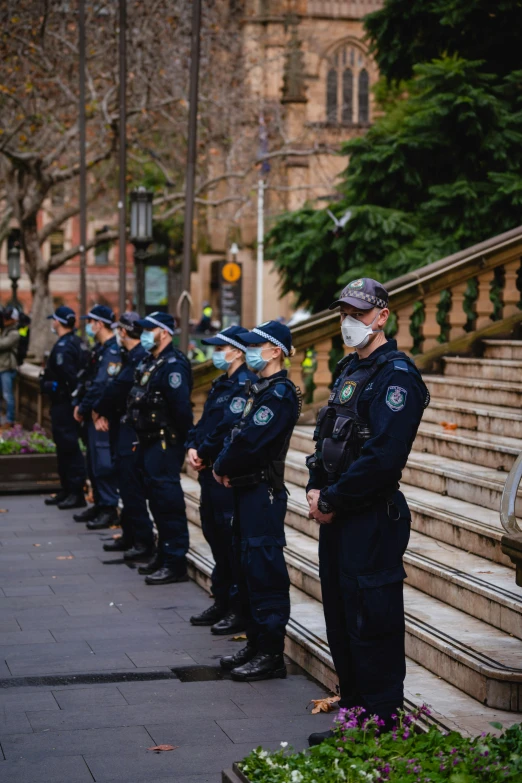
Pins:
x: 347, y: 390
x: 248, y: 407
x: 145, y: 378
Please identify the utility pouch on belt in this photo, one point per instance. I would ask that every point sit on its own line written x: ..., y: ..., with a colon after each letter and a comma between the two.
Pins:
x: 338, y: 448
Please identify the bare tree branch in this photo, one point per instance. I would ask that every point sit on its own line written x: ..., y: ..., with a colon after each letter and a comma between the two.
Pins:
x: 59, y: 259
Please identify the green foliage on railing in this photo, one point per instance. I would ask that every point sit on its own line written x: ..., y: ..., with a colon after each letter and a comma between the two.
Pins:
x: 496, y: 291
x: 468, y: 305
x: 443, y: 316
x: 417, y: 319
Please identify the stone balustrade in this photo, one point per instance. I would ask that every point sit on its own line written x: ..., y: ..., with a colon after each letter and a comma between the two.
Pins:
x: 342, y: 9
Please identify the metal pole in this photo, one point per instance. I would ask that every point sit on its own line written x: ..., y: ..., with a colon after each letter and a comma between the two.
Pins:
x: 139, y: 266
x: 122, y: 203
x: 184, y: 300
x: 260, y: 249
x: 83, y: 167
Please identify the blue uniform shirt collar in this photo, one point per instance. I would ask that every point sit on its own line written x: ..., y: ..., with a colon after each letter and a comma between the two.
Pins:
x: 279, y: 374
x: 235, y: 375
x: 390, y: 345
x: 110, y: 342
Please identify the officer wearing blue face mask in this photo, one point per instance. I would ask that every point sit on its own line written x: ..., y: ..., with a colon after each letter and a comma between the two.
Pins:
x: 101, y: 467
x: 160, y: 413
x: 252, y: 462
x: 363, y: 439
x: 223, y: 408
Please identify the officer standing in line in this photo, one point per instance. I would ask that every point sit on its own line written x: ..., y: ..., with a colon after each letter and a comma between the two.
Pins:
x: 160, y: 412
x: 68, y: 356
x: 137, y: 541
x: 252, y: 462
x: 224, y: 406
x: 363, y: 438
x: 102, y: 470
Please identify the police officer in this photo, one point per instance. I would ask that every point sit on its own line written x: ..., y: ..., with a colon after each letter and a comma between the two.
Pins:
x: 160, y: 412
x: 101, y: 464
x: 224, y: 406
x: 363, y: 438
x: 137, y: 541
x: 252, y: 462
x: 68, y: 356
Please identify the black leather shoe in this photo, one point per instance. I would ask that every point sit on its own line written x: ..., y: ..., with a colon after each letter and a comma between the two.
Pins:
x: 151, y: 567
x: 107, y: 517
x: 263, y: 666
x: 319, y: 736
x: 245, y: 654
x: 165, y: 576
x: 88, y: 515
x: 138, y: 552
x: 61, y: 495
x: 117, y: 545
x: 231, y: 623
x: 209, y: 616
x: 74, y: 500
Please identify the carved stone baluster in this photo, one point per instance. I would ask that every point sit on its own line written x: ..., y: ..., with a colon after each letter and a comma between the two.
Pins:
x: 322, y: 375
x: 484, y: 306
x: 430, y: 327
x: 457, y: 316
x: 294, y: 372
x: 511, y: 296
x: 403, y: 335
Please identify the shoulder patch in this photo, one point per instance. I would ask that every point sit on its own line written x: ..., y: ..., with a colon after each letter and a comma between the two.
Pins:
x: 61, y: 342
x: 113, y: 368
x: 59, y: 358
x: 279, y: 390
x: 175, y: 380
x: 237, y: 405
x: 263, y: 415
x: 396, y: 398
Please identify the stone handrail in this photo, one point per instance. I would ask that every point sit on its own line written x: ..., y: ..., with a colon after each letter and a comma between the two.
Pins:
x: 508, y: 516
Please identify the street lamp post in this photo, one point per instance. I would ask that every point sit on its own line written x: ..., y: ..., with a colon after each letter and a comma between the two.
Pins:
x: 13, y: 270
x: 141, y: 237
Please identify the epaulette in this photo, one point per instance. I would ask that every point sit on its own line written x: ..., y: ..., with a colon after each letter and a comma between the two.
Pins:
x: 172, y: 359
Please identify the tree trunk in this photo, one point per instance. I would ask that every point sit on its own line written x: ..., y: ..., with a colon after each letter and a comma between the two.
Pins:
x: 41, y: 338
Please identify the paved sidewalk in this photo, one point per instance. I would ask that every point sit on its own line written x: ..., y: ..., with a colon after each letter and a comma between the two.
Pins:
x: 65, y: 615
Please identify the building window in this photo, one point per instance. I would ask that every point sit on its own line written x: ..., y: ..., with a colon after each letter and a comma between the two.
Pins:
x: 331, y: 96
x: 364, y: 97
x: 57, y: 241
x: 347, y: 112
x: 101, y: 251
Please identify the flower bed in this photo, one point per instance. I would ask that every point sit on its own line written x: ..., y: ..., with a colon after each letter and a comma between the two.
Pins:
x: 27, y: 461
x: 19, y: 441
x: 358, y: 752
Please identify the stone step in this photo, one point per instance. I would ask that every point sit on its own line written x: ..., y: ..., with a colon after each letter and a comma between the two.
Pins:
x: 491, y: 419
x: 476, y: 658
x: 503, y: 349
x: 508, y: 370
x: 470, y: 390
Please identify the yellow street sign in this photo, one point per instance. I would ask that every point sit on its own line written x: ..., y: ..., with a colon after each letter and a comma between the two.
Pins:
x: 231, y: 272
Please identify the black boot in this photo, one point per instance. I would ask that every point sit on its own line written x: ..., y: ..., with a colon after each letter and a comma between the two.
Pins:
x: 231, y: 623
x: 53, y: 501
x: 117, y: 545
x: 152, y: 566
x: 138, y: 552
x: 245, y: 654
x: 108, y: 516
x: 319, y: 736
x: 209, y: 616
x: 74, y: 500
x: 166, y: 576
x: 87, y: 515
x: 263, y: 666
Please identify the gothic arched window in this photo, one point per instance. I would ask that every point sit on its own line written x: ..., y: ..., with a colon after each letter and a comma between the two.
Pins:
x: 364, y: 97
x: 331, y: 96
x: 347, y: 110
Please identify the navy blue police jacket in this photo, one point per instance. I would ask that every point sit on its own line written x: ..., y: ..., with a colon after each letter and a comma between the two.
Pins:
x: 268, y: 420
x: 225, y: 404
x: 392, y: 405
x: 68, y: 356
x: 108, y: 367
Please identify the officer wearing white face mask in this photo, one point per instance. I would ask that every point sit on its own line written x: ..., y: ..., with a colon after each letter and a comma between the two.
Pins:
x: 363, y: 438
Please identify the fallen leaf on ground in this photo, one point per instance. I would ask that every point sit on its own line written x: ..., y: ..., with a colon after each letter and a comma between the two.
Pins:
x: 240, y: 638
x: 448, y: 425
x: 65, y: 557
x: 114, y: 527
x: 159, y: 748
x: 324, y: 705
x: 4, y: 510
x: 484, y: 572
x: 37, y: 545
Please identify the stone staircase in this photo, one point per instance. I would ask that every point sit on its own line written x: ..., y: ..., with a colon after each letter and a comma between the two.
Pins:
x: 463, y: 608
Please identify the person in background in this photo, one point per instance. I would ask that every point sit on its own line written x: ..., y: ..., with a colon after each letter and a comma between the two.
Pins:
x: 224, y: 406
x: 206, y: 318
x: 69, y: 354
x: 9, y: 340
x: 252, y: 462
x: 137, y: 540
x: 195, y: 355
x: 102, y: 470
x: 308, y: 368
x: 160, y: 412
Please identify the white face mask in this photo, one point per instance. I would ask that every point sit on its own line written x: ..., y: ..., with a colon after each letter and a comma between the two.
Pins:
x: 355, y: 333
x: 119, y: 339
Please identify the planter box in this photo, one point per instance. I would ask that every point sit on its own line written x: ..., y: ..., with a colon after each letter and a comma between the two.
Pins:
x: 28, y: 473
x: 233, y: 775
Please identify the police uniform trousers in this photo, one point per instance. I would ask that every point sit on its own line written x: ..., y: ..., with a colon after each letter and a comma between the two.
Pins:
x: 101, y: 468
x: 216, y: 510
x: 264, y: 584
x: 161, y: 466
x: 135, y: 520
x: 71, y: 464
x: 360, y: 564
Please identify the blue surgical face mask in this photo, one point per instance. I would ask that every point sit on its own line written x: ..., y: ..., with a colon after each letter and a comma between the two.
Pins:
x: 147, y: 340
x: 255, y: 360
x: 89, y: 331
x: 219, y: 359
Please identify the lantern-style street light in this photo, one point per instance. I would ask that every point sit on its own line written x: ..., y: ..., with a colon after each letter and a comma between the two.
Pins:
x: 141, y: 237
x: 13, y: 270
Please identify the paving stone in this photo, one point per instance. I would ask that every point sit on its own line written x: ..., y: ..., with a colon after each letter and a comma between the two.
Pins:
x: 12, y: 722
x: 64, y: 769
x: 184, y: 731
x: 26, y: 637
x: 109, y: 632
x: 72, y: 698
x: 73, y: 743
x: 172, y: 690
x: 271, y: 728
x: 257, y: 705
x: 17, y: 700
